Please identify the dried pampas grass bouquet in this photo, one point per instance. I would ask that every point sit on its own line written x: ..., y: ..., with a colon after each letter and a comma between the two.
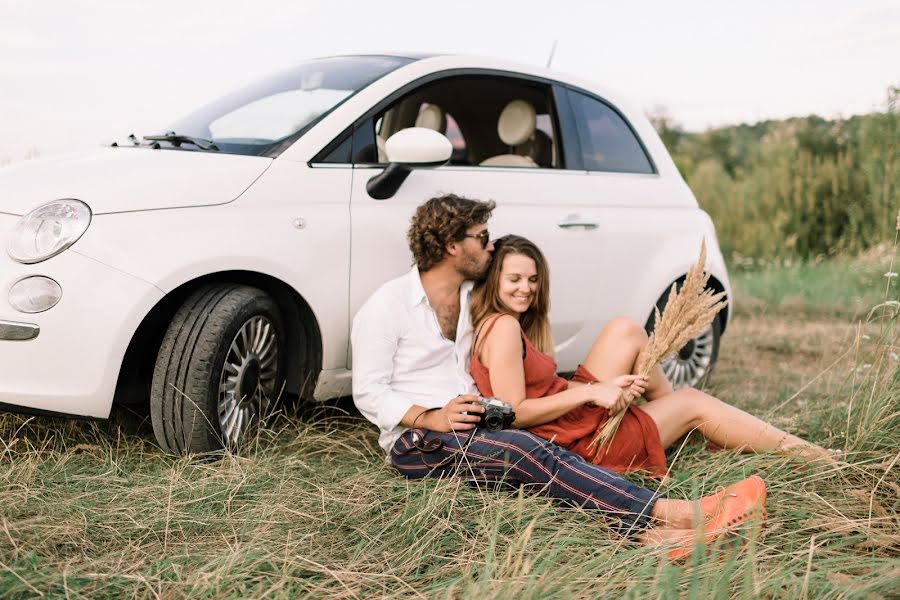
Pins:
x: 686, y: 314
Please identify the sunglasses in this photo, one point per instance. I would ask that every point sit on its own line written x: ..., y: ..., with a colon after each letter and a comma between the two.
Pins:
x: 484, y: 237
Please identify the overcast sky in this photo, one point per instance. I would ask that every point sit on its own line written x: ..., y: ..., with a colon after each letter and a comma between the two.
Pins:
x: 75, y: 73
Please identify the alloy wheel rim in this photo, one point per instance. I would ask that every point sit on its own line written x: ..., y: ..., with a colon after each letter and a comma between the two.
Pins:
x: 688, y: 366
x: 247, y: 383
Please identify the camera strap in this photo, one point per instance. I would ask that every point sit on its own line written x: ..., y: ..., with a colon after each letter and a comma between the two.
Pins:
x: 436, y: 444
x: 429, y: 447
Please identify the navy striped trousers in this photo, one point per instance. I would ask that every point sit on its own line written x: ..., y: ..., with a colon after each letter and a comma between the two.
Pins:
x: 519, y: 458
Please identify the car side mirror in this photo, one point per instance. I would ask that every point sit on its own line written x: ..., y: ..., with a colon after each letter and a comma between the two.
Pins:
x: 408, y: 149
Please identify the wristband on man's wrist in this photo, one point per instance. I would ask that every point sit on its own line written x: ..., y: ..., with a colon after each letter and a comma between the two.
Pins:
x: 427, y: 410
x: 430, y: 446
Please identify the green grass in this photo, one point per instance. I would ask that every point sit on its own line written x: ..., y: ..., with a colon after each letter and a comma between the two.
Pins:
x: 840, y: 288
x: 95, y: 510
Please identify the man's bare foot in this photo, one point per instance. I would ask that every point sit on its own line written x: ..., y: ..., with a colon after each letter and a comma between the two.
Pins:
x: 657, y: 537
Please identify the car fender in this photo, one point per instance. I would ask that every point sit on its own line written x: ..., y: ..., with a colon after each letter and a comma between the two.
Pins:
x: 182, y: 252
x: 671, y: 260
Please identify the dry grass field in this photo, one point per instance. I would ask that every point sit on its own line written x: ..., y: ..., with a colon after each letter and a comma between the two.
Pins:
x: 311, y: 510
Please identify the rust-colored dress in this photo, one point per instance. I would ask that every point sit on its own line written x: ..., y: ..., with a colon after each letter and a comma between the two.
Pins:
x: 636, y: 445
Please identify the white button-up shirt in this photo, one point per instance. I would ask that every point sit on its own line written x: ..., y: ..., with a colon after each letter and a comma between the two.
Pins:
x: 401, y: 358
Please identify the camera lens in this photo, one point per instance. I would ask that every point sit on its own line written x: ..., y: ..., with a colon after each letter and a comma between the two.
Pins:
x: 493, y: 422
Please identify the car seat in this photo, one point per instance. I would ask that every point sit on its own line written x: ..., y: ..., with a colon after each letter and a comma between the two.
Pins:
x: 516, y: 126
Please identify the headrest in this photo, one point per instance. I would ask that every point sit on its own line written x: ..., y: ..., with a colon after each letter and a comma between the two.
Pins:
x: 517, y: 122
x: 432, y: 117
x: 540, y: 148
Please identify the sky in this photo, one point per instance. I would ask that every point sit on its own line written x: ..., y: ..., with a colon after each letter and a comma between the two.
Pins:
x: 76, y: 73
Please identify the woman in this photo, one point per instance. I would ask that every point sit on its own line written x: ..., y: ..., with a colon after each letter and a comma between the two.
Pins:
x: 512, y: 360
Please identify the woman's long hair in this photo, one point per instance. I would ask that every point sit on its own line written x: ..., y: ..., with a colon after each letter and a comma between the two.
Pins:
x: 486, y: 296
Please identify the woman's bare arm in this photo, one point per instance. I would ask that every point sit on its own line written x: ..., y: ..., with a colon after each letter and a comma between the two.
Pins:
x: 501, y: 353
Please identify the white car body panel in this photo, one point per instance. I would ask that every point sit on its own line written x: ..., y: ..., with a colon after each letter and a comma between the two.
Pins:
x: 163, y: 218
x: 115, y: 180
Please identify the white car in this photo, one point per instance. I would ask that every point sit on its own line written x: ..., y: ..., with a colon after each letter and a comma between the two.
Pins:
x: 219, y: 264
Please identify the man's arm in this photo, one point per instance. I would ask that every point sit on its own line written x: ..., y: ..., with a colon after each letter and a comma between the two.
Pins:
x: 374, y: 338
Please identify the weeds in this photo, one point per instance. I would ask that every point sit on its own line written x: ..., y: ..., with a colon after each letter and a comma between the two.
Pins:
x: 94, y: 509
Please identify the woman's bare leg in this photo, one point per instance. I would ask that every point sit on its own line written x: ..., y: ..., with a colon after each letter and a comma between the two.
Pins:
x: 615, y: 352
x: 684, y: 410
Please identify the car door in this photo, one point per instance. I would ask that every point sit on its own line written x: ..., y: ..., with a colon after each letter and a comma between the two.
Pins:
x: 546, y: 205
x: 631, y: 208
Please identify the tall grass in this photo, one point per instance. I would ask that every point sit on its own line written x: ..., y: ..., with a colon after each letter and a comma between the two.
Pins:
x: 95, y: 510
x: 843, y: 287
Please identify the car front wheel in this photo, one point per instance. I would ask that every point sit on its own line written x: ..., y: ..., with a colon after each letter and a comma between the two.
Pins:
x: 219, y: 368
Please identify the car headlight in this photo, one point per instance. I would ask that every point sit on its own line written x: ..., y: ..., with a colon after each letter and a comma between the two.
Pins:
x: 48, y: 230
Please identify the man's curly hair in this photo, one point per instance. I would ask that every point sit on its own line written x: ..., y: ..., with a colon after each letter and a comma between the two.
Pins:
x: 442, y: 220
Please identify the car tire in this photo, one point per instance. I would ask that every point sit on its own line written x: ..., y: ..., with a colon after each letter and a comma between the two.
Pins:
x: 219, y: 368
x: 692, y: 365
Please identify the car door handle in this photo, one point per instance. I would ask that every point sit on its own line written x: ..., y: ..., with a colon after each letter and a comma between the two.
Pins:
x: 577, y: 221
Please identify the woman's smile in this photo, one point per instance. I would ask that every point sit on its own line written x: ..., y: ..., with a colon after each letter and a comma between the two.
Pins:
x: 518, y: 282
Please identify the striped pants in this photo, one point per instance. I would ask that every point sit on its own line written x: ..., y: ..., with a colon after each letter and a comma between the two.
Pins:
x: 520, y: 458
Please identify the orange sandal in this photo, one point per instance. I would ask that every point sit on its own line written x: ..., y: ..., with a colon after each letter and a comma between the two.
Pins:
x: 726, y: 511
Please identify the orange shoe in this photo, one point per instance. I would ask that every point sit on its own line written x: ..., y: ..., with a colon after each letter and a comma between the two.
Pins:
x: 724, y: 512
x: 735, y: 505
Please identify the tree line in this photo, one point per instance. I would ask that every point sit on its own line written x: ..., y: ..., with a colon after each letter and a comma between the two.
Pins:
x: 799, y: 188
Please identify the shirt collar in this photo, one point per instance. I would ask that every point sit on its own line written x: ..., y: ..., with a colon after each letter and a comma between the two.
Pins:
x: 416, y: 290
x: 417, y: 293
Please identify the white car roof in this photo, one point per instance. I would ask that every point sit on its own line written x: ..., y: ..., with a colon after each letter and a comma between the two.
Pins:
x: 429, y: 62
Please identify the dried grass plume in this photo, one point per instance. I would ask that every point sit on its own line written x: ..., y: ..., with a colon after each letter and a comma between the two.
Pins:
x: 687, y: 313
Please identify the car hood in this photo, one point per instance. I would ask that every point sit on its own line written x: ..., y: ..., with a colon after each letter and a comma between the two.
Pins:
x: 112, y: 180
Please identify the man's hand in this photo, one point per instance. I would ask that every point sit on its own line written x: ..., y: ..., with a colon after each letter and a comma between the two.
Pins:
x: 452, y: 418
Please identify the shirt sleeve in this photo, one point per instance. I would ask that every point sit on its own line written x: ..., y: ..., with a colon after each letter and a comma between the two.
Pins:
x: 375, y: 337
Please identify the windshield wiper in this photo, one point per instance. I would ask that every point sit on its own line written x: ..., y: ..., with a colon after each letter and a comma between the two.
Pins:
x: 176, y: 139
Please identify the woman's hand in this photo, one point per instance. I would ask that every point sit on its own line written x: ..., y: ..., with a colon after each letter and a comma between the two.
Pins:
x: 632, y: 386
x: 607, y: 395
x: 452, y: 416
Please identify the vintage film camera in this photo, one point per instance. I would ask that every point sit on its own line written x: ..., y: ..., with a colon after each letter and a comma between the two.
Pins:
x: 497, y: 414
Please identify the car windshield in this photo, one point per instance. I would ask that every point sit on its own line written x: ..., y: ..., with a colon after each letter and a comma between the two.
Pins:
x: 264, y: 118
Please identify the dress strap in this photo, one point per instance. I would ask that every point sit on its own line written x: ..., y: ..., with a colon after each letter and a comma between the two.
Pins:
x: 485, y: 329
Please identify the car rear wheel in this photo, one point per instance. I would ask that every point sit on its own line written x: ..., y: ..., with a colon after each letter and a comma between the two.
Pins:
x: 693, y: 363
x: 219, y: 368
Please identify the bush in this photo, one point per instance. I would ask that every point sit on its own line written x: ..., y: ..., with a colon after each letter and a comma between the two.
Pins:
x: 799, y: 188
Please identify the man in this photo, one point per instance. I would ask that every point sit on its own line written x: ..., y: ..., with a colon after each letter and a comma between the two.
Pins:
x: 411, y: 348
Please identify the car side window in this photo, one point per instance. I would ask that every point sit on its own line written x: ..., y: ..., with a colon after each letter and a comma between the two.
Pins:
x: 607, y: 141
x: 528, y: 137
x: 336, y: 153
x: 356, y: 145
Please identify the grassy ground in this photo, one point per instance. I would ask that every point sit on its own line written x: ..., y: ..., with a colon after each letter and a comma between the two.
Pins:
x: 95, y: 510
